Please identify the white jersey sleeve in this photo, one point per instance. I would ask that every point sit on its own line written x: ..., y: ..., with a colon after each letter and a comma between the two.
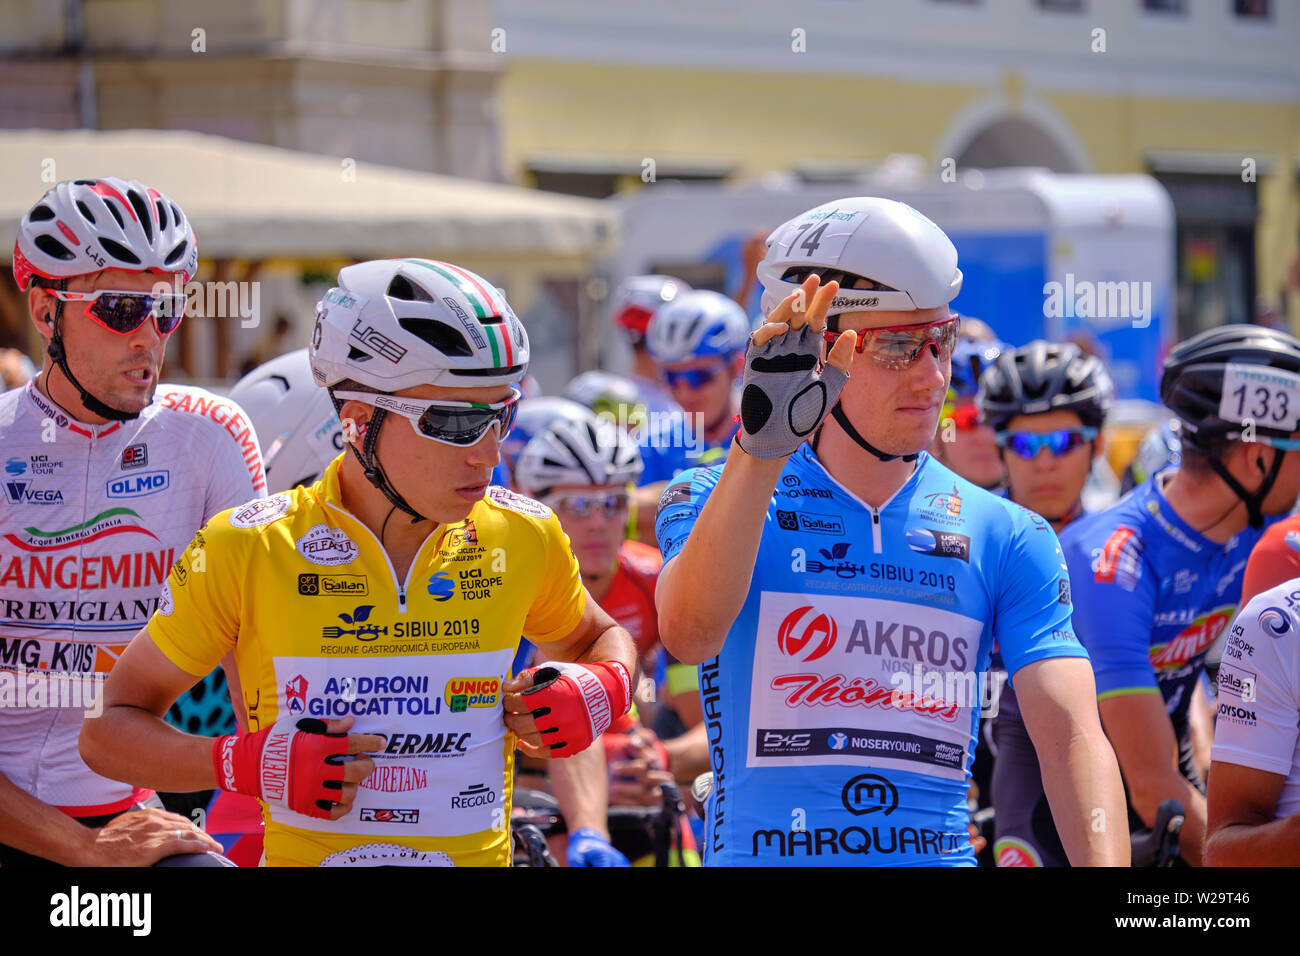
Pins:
x: 1258, y: 722
x: 236, y: 473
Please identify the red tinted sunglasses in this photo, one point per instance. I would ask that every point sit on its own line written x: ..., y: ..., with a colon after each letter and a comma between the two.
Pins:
x: 124, y: 312
x: 898, y: 346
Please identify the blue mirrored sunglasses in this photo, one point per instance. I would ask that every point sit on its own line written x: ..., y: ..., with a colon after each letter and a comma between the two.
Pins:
x: 1060, y: 442
x: 693, y: 377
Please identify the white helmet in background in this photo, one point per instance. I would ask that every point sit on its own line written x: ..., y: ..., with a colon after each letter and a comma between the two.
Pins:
x: 908, y: 261
x: 294, y: 419
x: 601, y: 391
x: 696, y: 325
x: 587, y: 451
x: 393, y: 324
x: 535, y: 415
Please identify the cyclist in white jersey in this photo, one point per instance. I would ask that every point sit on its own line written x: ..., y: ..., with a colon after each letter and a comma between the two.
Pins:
x: 1253, y: 798
x: 107, y: 476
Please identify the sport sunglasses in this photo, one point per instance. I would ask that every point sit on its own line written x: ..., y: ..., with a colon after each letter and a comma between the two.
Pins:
x: 1061, y: 442
x: 124, y: 312
x: 693, y: 377
x: 451, y: 423
x: 1281, y: 444
x: 898, y: 346
x: 584, y: 506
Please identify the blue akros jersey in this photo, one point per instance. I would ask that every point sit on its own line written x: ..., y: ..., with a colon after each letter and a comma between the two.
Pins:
x: 843, y: 707
x: 1152, y: 595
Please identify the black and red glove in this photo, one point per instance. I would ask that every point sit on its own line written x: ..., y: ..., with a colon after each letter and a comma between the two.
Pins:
x: 573, y: 704
x: 295, y: 765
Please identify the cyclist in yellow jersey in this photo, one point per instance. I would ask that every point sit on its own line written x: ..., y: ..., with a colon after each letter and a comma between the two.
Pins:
x: 374, y: 614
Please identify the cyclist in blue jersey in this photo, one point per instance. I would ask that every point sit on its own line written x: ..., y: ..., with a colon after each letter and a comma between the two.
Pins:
x: 844, y: 595
x: 1158, y: 574
x: 1045, y: 405
x: 698, y: 340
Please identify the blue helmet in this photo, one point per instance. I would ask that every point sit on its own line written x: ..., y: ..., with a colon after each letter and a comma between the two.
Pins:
x: 695, y: 325
x: 969, y: 360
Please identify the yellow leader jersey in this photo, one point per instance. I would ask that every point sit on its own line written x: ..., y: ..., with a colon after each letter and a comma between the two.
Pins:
x: 306, y: 597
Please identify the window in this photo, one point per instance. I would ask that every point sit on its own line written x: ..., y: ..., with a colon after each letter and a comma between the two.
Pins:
x: 1165, y: 6
x: 587, y: 185
x: 1062, y: 6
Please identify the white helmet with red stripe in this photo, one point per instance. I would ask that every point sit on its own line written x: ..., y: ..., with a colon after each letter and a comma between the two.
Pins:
x: 85, y: 225
x: 393, y: 324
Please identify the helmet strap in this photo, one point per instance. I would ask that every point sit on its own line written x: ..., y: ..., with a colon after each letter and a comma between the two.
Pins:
x: 843, y: 420
x: 371, y: 467
x: 1254, y: 501
x: 59, y: 355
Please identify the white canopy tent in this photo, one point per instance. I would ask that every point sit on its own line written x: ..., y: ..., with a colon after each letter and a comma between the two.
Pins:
x: 277, y: 210
x: 257, y: 202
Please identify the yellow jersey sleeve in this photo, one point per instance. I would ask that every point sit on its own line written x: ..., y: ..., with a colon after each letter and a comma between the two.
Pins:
x: 198, y: 618
x: 561, y: 597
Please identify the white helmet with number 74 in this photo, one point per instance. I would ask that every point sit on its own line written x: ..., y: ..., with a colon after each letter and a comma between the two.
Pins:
x: 904, y: 260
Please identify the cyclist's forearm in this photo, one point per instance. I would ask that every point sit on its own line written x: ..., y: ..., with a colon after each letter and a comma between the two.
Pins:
x: 614, y: 643
x: 130, y: 744
x: 37, y: 828
x: 1276, y: 843
x: 1148, y: 790
x: 704, y: 587
x: 1086, y: 796
x: 688, y: 755
x: 581, y: 785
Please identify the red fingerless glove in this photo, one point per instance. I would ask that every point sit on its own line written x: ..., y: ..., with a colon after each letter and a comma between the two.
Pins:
x: 295, y: 765
x: 573, y: 704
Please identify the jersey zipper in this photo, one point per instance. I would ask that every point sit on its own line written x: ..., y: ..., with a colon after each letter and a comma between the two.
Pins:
x: 875, y: 530
x: 400, y: 586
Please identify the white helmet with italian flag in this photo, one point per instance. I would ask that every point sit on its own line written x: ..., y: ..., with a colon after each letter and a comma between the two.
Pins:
x: 393, y: 324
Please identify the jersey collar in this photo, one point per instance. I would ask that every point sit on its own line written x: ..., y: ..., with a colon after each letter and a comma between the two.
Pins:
x: 62, y: 421
x: 1174, y: 527
x: 810, y: 461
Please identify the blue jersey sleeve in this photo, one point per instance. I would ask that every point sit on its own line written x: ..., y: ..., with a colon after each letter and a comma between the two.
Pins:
x: 1032, y: 615
x: 1115, y: 598
x: 680, y: 506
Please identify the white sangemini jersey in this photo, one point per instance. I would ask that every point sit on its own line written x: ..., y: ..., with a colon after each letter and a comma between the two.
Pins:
x: 92, y: 517
x: 1258, y: 723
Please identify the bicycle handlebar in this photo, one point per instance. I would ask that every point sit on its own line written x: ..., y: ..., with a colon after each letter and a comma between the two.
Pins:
x: 1159, y: 846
